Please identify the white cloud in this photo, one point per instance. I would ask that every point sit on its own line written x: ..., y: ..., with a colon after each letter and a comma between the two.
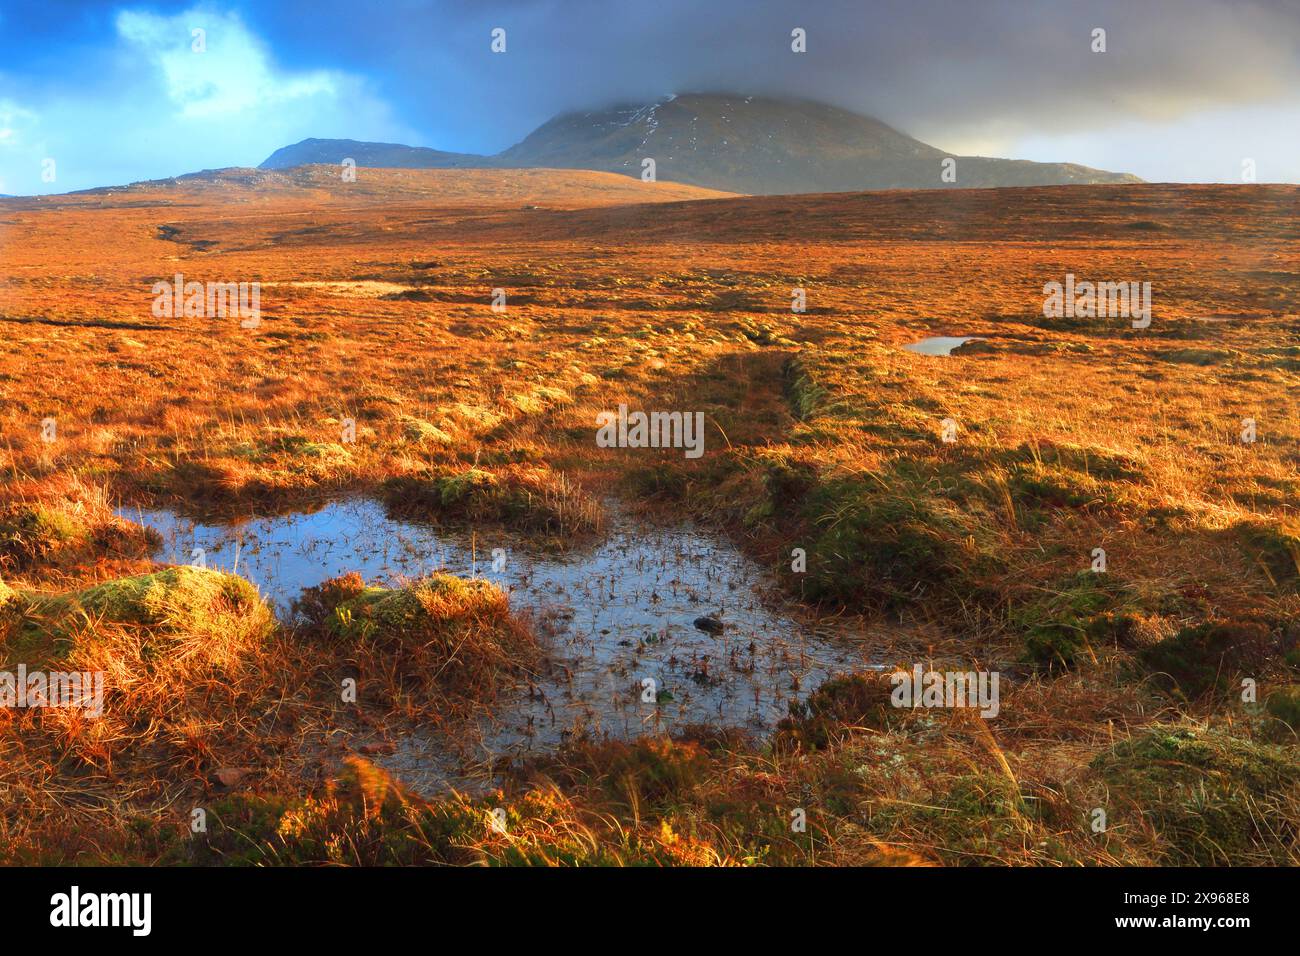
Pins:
x: 234, y: 71
x: 1209, y: 146
x: 14, y: 120
x: 159, y: 109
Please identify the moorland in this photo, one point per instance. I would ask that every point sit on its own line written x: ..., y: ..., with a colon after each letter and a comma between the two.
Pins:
x: 469, y: 327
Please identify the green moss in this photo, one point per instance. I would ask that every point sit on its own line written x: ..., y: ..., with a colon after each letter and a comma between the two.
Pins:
x: 57, y: 526
x: 1060, y: 625
x: 1209, y: 658
x: 1284, y: 704
x: 301, y: 447
x: 160, y: 610
x: 535, y: 501
x: 401, y: 613
x: 1214, y: 799
x: 182, y: 597
x: 465, y: 487
x: 32, y: 533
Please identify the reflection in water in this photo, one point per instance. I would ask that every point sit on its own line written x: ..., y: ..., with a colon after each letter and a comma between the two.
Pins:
x: 940, y: 344
x: 616, y: 619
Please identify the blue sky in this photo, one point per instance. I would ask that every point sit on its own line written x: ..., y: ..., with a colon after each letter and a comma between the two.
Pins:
x: 115, y: 92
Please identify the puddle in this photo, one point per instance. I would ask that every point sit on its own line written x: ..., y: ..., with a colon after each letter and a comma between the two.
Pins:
x: 617, y: 613
x: 940, y: 344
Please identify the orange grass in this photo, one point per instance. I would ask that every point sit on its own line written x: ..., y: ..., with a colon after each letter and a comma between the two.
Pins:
x: 822, y: 433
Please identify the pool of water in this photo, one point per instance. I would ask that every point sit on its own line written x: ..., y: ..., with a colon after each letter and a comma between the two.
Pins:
x: 613, y: 616
x: 940, y: 344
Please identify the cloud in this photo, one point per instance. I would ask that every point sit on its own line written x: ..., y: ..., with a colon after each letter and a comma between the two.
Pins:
x: 954, y: 69
x: 147, y: 104
x: 14, y: 121
x: 213, y: 65
x: 983, y: 77
x: 124, y: 96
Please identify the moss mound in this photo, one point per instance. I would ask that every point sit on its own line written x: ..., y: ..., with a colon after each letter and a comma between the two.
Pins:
x: 1284, y: 705
x: 1212, y: 799
x: 530, y: 499
x: 179, y: 615
x: 419, y: 432
x: 852, y: 700
x: 1210, y: 658
x: 64, y: 532
x: 33, y: 533
x: 447, y: 632
x: 44, y: 522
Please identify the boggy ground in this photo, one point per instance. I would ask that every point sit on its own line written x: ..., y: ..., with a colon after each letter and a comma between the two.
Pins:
x: 1122, y: 691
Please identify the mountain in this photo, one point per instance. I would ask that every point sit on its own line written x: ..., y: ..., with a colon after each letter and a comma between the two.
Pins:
x: 374, y: 155
x: 746, y: 144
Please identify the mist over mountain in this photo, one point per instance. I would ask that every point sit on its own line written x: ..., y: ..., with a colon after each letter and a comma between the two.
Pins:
x: 748, y: 144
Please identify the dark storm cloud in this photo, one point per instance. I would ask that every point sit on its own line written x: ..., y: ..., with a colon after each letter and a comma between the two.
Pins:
x: 999, y: 67
x: 1186, y: 89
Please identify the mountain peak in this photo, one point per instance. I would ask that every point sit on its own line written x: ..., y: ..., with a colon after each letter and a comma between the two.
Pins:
x: 727, y: 141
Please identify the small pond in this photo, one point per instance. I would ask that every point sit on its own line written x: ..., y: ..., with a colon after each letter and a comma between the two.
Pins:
x: 940, y: 344
x: 614, y: 614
